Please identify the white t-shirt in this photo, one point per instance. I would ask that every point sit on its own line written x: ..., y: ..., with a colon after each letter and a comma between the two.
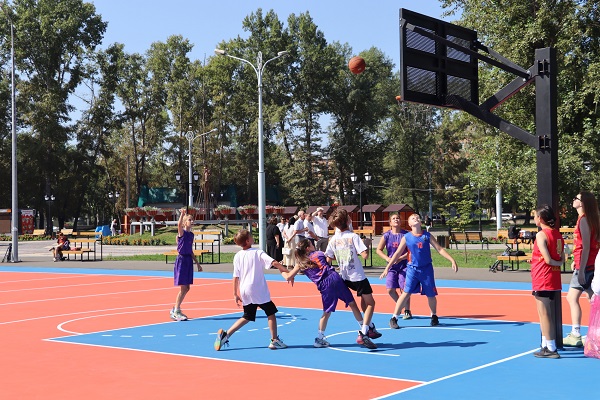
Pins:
x: 248, y: 265
x: 345, y: 247
x: 299, y: 226
x: 321, y: 226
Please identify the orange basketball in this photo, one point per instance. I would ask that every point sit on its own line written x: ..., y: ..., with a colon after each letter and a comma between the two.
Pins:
x: 357, y: 65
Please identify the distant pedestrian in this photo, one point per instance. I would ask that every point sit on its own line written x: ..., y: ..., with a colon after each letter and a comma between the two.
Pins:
x: 321, y: 226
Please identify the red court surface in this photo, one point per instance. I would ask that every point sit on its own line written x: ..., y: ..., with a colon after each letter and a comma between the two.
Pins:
x: 38, y: 307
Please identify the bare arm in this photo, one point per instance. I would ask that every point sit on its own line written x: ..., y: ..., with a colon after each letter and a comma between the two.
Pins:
x: 396, y: 256
x: 236, y: 291
x: 586, y: 235
x: 542, y: 242
x: 443, y: 253
x: 182, y: 214
x: 283, y: 270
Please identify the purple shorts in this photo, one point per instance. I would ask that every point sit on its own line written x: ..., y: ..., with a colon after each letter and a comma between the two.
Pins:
x: 420, y: 280
x: 183, y: 270
x: 332, y: 289
x: 396, y: 277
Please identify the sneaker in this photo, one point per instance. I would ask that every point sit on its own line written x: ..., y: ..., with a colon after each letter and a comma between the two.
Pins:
x: 177, y: 315
x: 221, y: 340
x: 434, y: 320
x: 54, y: 259
x: 545, y: 353
x: 321, y: 343
x: 364, y: 340
x: 394, y: 323
x: 572, y: 341
x: 277, y: 344
x: 407, y: 315
x: 373, y: 333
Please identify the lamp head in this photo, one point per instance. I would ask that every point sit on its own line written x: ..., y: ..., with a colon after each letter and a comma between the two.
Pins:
x: 178, y: 176
x: 196, y: 176
x: 117, y: 194
x: 367, y: 177
x: 353, y: 177
x: 282, y: 53
x: 220, y: 52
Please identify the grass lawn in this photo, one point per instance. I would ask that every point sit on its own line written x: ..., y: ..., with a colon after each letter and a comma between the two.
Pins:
x: 475, y: 258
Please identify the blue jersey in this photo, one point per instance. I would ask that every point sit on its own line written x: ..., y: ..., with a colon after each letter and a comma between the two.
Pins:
x: 420, y: 253
x: 392, y: 241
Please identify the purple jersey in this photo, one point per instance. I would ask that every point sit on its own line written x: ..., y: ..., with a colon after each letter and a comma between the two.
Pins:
x: 185, y: 243
x: 392, y: 241
x: 319, y: 273
x: 420, y: 253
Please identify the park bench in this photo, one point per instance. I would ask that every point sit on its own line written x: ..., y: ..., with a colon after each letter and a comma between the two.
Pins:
x: 214, y: 240
x: 175, y: 253
x: 39, y: 232
x: 468, y: 236
x: 512, y: 260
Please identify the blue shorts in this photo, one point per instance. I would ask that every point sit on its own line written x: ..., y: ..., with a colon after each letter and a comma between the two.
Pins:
x: 420, y: 280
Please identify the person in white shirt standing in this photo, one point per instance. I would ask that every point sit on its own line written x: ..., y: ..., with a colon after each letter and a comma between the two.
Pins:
x: 300, y: 227
x: 321, y: 226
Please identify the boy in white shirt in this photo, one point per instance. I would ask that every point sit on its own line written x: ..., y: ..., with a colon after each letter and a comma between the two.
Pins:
x: 345, y: 246
x: 250, y: 287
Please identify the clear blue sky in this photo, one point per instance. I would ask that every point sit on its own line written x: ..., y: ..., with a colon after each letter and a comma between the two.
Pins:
x: 361, y: 24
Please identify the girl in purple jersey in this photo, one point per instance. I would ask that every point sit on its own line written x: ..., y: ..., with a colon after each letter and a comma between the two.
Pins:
x: 419, y: 274
x: 332, y: 287
x: 396, y: 276
x: 183, y: 270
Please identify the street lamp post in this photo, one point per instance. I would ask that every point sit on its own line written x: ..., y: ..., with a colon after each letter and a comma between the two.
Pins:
x: 191, y: 137
x: 259, y: 69
x: 114, y: 197
x: 360, y: 186
x: 15, y: 198
x: 195, y: 175
x: 49, y: 224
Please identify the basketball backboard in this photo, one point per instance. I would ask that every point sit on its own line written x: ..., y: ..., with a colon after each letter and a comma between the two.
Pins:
x: 432, y: 69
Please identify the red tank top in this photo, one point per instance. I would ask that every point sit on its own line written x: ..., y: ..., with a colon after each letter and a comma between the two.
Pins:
x: 544, y: 276
x: 578, y: 246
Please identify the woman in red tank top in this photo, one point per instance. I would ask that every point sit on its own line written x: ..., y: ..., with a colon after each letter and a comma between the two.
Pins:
x: 547, y: 258
x: 586, y: 243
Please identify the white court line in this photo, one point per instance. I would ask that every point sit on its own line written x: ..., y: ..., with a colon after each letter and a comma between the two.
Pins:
x: 47, y: 279
x: 103, y: 294
x: 278, y: 366
x: 456, y: 374
x: 79, y: 285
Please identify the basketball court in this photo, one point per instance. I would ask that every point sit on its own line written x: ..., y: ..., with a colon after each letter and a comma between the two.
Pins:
x: 96, y: 334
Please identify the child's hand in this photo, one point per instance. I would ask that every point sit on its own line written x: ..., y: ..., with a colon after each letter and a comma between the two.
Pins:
x: 183, y: 211
x: 199, y: 267
x: 454, y: 266
x: 383, y: 275
x: 237, y: 300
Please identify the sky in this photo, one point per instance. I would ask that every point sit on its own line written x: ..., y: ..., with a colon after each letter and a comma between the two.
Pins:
x: 139, y: 23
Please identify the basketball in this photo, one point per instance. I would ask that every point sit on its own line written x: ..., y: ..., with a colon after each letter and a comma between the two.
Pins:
x: 357, y: 65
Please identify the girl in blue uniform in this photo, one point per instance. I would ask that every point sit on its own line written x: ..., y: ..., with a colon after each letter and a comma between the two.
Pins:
x: 419, y: 273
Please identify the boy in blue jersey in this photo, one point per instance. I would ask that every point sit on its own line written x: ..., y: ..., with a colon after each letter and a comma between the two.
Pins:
x: 419, y: 274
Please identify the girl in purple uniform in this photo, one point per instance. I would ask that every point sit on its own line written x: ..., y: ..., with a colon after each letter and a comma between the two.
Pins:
x: 184, y: 263
x: 396, y: 275
x: 332, y: 287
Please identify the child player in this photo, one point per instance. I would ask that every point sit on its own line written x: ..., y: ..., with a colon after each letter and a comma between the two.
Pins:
x: 315, y: 266
x: 183, y: 271
x: 345, y: 246
x: 250, y: 287
x: 396, y: 276
x: 419, y: 272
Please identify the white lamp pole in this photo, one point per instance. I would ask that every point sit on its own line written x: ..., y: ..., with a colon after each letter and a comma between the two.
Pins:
x: 262, y: 196
x: 191, y: 137
x: 15, y: 197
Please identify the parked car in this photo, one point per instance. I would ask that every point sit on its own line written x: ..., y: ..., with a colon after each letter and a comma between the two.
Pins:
x: 505, y: 217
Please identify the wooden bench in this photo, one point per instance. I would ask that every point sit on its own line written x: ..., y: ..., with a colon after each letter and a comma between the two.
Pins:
x: 468, y: 236
x: 39, y: 232
x: 512, y: 260
x: 175, y: 253
x: 75, y: 253
x: 89, y: 237
x: 212, y: 243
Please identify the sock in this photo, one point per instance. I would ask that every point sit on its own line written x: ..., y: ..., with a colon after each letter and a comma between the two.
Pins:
x: 321, y: 334
x: 395, y: 316
x: 360, y: 323
x: 551, y: 345
x: 371, y: 325
x: 576, y: 330
x: 544, y: 342
x: 364, y: 329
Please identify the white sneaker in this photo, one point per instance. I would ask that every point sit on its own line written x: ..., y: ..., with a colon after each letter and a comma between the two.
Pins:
x: 277, y: 344
x: 321, y: 343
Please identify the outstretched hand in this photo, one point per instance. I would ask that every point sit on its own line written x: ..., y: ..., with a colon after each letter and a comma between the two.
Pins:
x: 581, y: 277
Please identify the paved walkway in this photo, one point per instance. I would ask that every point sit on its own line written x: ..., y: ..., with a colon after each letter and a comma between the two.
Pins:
x: 35, y: 253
